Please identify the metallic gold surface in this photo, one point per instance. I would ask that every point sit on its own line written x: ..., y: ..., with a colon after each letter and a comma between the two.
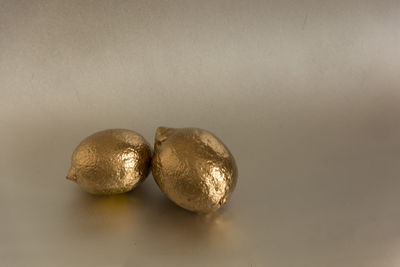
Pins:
x: 305, y: 94
x: 110, y: 162
x: 193, y: 168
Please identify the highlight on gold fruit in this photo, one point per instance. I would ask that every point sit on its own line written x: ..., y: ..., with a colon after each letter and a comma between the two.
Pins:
x: 193, y: 168
x: 110, y: 162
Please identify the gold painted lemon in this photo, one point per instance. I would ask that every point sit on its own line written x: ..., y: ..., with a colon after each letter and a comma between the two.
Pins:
x: 110, y: 162
x: 193, y: 168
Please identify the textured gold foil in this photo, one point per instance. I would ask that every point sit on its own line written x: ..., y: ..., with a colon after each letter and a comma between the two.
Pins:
x: 110, y: 162
x: 193, y: 168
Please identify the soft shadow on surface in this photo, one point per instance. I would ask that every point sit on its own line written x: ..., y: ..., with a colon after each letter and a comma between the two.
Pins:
x: 179, y: 230
x: 142, y: 214
x: 112, y: 214
x: 146, y: 212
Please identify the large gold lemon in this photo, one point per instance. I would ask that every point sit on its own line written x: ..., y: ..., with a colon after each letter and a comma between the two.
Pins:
x: 110, y: 162
x: 193, y: 168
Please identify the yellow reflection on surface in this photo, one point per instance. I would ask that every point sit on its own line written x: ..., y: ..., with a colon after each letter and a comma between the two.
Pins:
x: 110, y: 214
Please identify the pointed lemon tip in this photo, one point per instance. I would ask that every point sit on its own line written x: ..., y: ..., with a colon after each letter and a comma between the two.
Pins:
x: 160, y: 132
x: 71, y: 175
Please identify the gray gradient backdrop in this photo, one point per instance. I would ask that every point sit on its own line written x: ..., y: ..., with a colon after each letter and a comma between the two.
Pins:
x: 305, y: 93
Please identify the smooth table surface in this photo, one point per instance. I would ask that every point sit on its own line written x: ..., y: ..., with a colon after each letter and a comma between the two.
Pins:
x: 306, y: 94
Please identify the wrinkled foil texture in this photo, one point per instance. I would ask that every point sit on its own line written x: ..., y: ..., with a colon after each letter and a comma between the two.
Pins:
x: 110, y: 162
x: 193, y: 168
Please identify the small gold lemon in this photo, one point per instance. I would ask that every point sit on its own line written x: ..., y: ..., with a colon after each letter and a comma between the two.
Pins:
x: 110, y: 162
x: 193, y: 168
